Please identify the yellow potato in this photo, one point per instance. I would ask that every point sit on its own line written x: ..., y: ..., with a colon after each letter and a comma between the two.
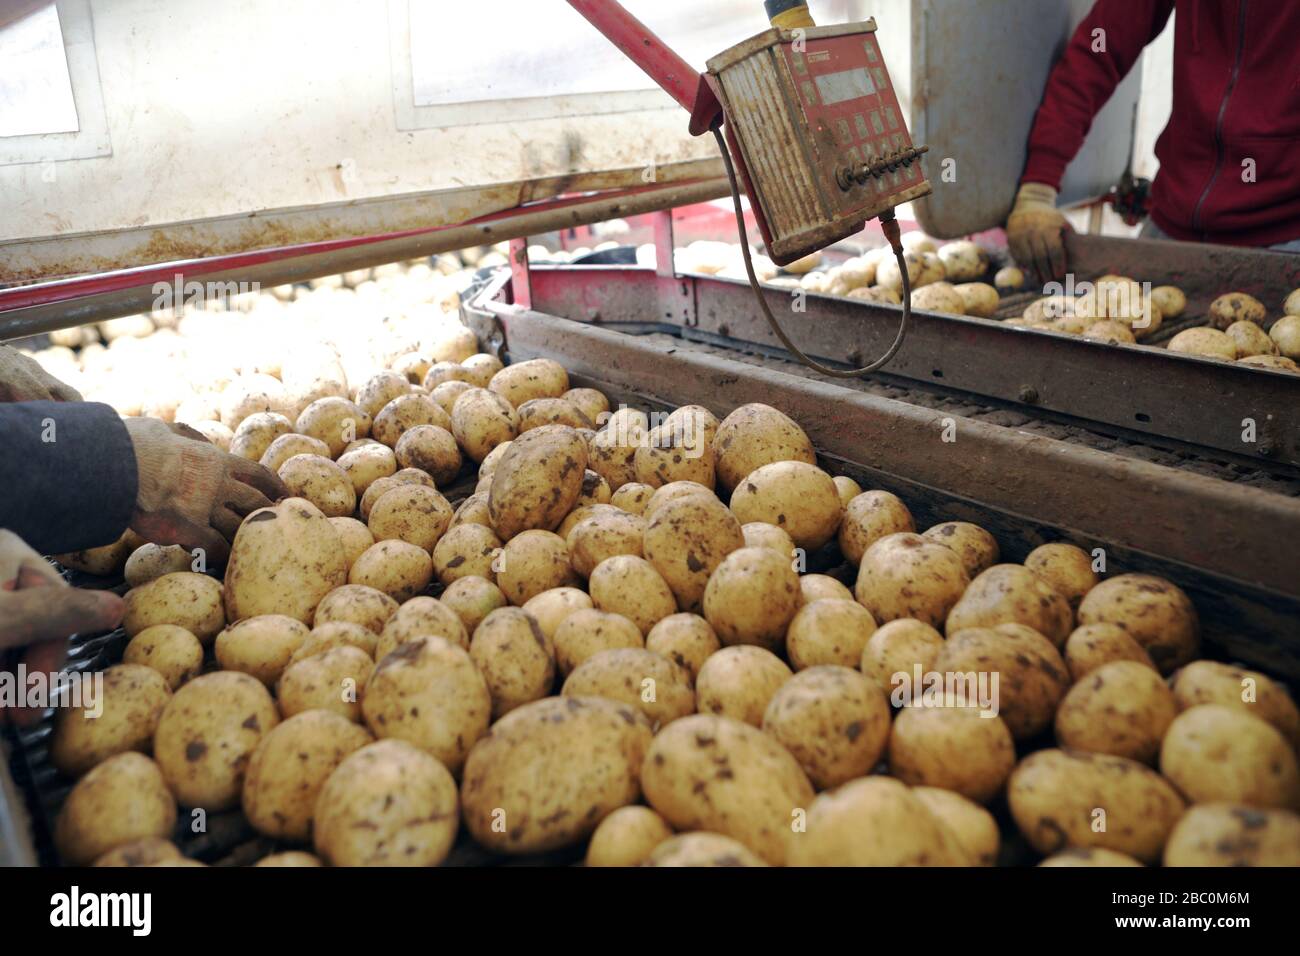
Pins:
x: 481, y: 420
x: 1285, y: 333
x: 473, y: 598
x: 550, y: 411
x: 1250, y: 340
x: 645, y: 681
x: 1213, y: 753
x: 957, y: 748
x: 978, y: 298
x: 355, y: 604
x: 1207, y: 343
x: 421, y: 617
x: 260, y: 646
x: 899, y: 647
x: 355, y: 538
x: 1093, y: 645
x: 183, y: 598
x: 686, y: 539
x: 516, y: 659
x: 335, y: 421
x: 429, y: 693
x: 755, y: 435
x: 331, y: 634
x: 1225, y: 834
x: 629, y: 585
x: 1068, y: 569
x: 367, y: 464
x: 833, y: 720
x: 595, y: 490
x: 752, y: 597
x: 1011, y: 594
x: 466, y: 550
x: 331, y: 680
x: 632, y: 497
x: 440, y: 372
x: 536, y: 378
x: 587, y: 632
x: 907, y: 575
x: 538, y: 481
x: 701, y: 849
x: 817, y: 587
x: 1032, y: 677
x: 406, y: 412
x: 322, y: 482
x: 533, y: 562
x: 829, y: 632
x: 963, y: 261
x: 431, y: 449
x: 120, y: 802
x: 869, y: 517
x: 605, y: 535
x: 473, y: 510
x: 379, y: 390
x: 977, y: 548
x: 399, y: 569
x: 685, y: 639
x: 96, y: 723
x: 589, y: 401
x: 172, y: 651
x: 552, y: 606
x: 1236, y: 307
x: 973, y: 826
x: 1170, y: 300
x: 627, y: 837
x: 290, y: 446
x: 739, y: 682
x: 799, y: 498
x: 1155, y: 612
x: 755, y: 803
x: 1209, y: 682
x: 1122, y: 708
x: 410, y: 513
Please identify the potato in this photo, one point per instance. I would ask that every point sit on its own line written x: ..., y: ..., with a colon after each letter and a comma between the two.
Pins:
x: 869, y: 517
x: 701, y: 849
x: 938, y: 297
x: 1009, y: 279
x: 752, y: 597
x: 977, y: 298
x: 1250, y: 340
x: 387, y: 804
x: 516, y: 659
x: 182, y: 598
x: 833, y: 720
x: 890, y: 276
x: 260, y: 646
x: 290, y: 446
x: 605, y: 535
x: 829, y: 631
x: 413, y: 365
x: 1093, y: 645
x: 1209, y: 682
x: 1011, y: 594
x: 322, y: 482
x: 466, y: 550
x: 1276, y: 362
x: 586, y: 632
x: 963, y: 261
x: 290, y: 766
x: 172, y: 651
x: 405, y: 413
x: 1222, y: 834
x: 536, y: 378
x: 1170, y: 300
x: 429, y: 693
x: 331, y: 680
x: 687, y: 539
x: 250, y: 394
x: 145, y: 851
x: 799, y: 498
x: 1032, y: 676
x: 481, y: 367
x: 631, y: 497
x: 431, y: 449
x: 120, y: 716
x: 290, y: 858
x: 355, y: 538
x: 1215, y: 753
x: 952, y: 746
x: 1111, y: 332
x: 1207, y: 343
x: 1068, y: 569
x: 410, y: 513
x: 739, y: 683
x: 588, y: 750
x: 366, y: 465
x: 379, y: 390
x: 1122, y: 708
x: 974, y: 827
x: 1062, y: 799
x: 1156, y: 613
x: 1236, y: 307
x: 906, y: 575
x: 874, y: 821
x: 627, y: 837
x: 356, y: 604
x: 421, y: 617
x: 629, y: 585
x: 589, y: 401
x: 473, y: 510
x: 150, y: 561
x: 551, y: 607
x: 595, y: 490
x: 205, y: 736
x: 331, y: 634
x: 473, y: 598
x: 977, y: 548
x: 899, y: 647
x: 399, y: 569
x: 550, y: 411
x: 755, y: 803
x: 335, y: 421
x: 847, y: 488
x: 755, y: 435
x: 1089, y: 856
x: 679, y: 450
x: 877, y: 294
x: 440, y: 372
x: 122, y: 800
x: 659, y: 688
x: 538, y: 481
x: 612, y: 455
x: 533, y: 562
x: 458, y: 344
x: 447, y: 393
x: 818, y: 587
x: 1285, y: 333
x: 685, y: 639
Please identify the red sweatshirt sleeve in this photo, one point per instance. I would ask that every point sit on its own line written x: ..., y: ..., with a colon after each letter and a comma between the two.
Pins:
x: 1084, y: 79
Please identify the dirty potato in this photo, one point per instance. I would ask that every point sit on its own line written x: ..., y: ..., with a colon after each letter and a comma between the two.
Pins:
x: 685, y: 639
x: 260, y: 646
x: 184, y: 598
x: 587, y: 632
x: 1011, y: 594
x: 466, y: 550
x: 604, y: 535
x: 322, y: 482
x: 829, y: 632
x: 799, y: 498
x: 627, y: 837
x: 535, y: 378
x: 537, y: 481
x: 533, y: 562
x: 398, y: 568
x: 1121, y: 708
x: 953, y: 746
x: 752, y: 597
x: 1067, y: 568
x: 869, y: 517
x: 1214, y: 753
x: 356, y: 604
x: 1032, y: 677
x: 516, y: 659
x: 973, y: 826
x: 1155, y: 612
x: 1093, y: 645
x: 119, y: 802
x: 654, y: 685
x: 755, y: 435
x: 1226, y: 834
x: 629, y: 585
x: 900, y: 647
x: 410, y: 513
x: 1209, y: 682
x: 431, y: 449
x: 421, y: 616
x: 1236, y: 307
x: 473, y: 598
x: 122, y: 716
x: 907, y: 575
x: 481, y: 420
x: 686, y: 539
x: 739, y: 682
x: 331, y: 680
x: 172, y: 651
x: 977, y: 548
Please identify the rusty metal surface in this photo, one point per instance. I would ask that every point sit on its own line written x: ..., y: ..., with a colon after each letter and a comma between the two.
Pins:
x: 1140, y: 390
x: 1235, y: 548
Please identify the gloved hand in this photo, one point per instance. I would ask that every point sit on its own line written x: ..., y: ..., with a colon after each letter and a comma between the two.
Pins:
x: 1036, y: 230
x: 39, y: 611
x: 192, y: 493
x: 23, y: 380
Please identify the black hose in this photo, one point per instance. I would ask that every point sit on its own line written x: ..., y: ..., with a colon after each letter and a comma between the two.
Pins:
x: 767, y: 312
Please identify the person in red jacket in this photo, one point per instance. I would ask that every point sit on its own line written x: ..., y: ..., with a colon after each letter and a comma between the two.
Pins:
x: 1230, y: 156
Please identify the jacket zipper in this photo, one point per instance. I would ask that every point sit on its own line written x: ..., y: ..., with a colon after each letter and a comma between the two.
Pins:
x: 1218, y: 126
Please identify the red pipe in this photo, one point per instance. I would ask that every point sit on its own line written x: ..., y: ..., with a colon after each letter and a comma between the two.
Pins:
x: 642, y: 47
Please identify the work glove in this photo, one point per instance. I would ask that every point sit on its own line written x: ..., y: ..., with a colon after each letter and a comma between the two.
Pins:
x: 23, y: 380
x: 1036, y: 232
x: 39, y: 611
x: 192, y: 493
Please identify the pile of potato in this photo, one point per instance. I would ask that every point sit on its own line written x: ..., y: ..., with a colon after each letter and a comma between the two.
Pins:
x: 627, y: 652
